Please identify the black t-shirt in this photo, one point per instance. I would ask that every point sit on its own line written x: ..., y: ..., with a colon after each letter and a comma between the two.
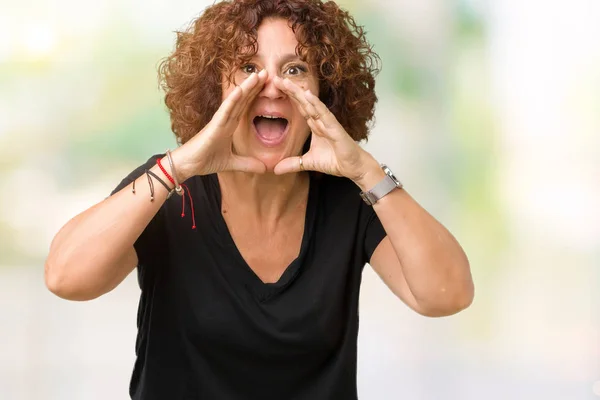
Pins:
x: 209, y: 328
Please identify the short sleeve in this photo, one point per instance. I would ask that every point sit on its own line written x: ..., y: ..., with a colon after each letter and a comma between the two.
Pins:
x: 374, y: 233
x: 150, y: 245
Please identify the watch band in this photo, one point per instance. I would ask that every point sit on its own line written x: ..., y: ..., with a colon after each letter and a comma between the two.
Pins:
x: 384, y: 187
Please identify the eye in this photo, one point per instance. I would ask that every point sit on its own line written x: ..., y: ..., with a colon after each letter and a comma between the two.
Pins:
x: 296, y: 69
x: 248, y: 68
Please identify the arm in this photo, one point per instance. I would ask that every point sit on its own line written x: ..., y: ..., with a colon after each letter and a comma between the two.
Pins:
x: 419, y: 260
x: 94, y: 251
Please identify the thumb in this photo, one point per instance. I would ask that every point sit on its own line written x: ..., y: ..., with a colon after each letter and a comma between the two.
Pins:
x: 247, y: 164
x: 290, y: 164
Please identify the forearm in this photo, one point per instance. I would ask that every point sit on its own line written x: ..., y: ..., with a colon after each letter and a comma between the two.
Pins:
x: 433, y: 263
x: 93, y: 251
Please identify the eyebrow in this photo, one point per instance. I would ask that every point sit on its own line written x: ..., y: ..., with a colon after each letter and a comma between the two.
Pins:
x: 285, y: 58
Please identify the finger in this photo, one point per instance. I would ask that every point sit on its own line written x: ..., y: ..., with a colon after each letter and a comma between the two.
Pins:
x: 247, y: 164
x: 322, y: 113
x: 324, y: 123
x: 297, y: 95
x: 226, y: 107
x: 229, y: 109
x: 248, y: 86
x: 317, y: 127
x: 248, y: 97
x: 290, y: 164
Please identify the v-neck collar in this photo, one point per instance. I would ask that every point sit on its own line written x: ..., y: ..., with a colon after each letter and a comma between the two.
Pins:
x: 264, y: 291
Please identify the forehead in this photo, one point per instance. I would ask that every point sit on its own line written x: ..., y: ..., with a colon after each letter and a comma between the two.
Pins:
x: 274, y: 35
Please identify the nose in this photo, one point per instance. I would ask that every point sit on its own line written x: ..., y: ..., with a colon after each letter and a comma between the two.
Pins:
x: 271, y: 91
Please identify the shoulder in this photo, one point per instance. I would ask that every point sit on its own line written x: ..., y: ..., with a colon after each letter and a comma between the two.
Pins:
x: 342, y: 213
x: 338, y: 195
x: 337, y: 187
x: 137, y: 172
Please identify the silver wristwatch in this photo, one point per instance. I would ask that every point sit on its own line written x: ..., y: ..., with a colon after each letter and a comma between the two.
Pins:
x: 385, y: 186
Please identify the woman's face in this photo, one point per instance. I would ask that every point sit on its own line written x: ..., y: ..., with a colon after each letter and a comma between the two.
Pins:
x: 258, y: 133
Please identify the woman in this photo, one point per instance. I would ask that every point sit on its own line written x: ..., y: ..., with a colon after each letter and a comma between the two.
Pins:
x: 252, y: 291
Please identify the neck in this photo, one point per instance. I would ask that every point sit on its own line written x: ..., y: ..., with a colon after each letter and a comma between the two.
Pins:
x: 267, y: 195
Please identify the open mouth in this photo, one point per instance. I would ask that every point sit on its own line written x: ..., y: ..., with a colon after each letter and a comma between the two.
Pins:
x: 270, y: 129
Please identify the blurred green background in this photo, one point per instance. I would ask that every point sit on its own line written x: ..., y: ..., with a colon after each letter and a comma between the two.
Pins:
x: 489, y: 111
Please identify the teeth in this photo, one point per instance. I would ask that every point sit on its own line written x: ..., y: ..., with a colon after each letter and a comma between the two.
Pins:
x: 268, y: 116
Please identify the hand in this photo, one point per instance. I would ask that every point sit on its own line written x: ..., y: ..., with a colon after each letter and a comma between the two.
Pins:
x: 332, y: 150
x: 210, y: 150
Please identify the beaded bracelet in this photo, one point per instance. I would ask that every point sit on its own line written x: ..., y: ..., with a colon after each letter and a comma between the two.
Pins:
x: 169, y: 177
x: 178, y: 189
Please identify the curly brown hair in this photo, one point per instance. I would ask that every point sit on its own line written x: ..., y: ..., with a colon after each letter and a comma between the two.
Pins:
x: 225, y: 37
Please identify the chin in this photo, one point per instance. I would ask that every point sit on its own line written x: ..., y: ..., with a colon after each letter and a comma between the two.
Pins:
x: 270, y: 159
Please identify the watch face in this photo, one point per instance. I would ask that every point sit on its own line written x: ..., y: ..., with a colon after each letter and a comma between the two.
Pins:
x: 389, y: 173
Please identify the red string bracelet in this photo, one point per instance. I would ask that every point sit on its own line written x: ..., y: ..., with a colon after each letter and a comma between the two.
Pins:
x: 187, y: 190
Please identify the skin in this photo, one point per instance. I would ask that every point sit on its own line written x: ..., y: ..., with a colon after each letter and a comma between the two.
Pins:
x: 419, y: 260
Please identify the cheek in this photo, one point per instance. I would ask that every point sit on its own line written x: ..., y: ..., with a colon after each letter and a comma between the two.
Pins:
x: 227, y: 87
x: 306, y: 83
x: 301, y: 81
x: 302, y: 130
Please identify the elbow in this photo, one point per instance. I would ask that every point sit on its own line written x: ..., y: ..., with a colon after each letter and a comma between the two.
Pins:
x: 449, y: 304
x: 59, y: 284
x: 464, y: 297
x: 461, y: 302
x: 51, y: 279
x: 455, y: 295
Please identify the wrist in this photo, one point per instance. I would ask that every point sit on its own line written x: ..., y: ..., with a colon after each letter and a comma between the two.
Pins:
x: 371, y: 173
x: 181, y: 167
